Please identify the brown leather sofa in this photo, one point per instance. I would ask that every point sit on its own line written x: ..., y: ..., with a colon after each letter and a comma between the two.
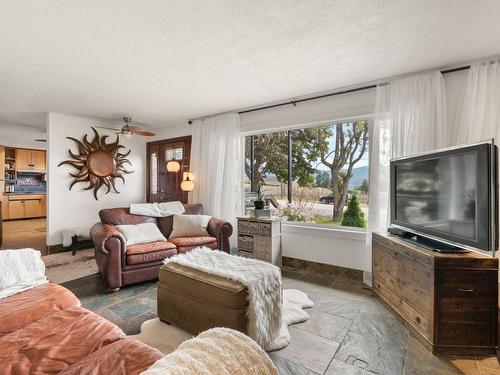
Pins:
x: 124, y: 265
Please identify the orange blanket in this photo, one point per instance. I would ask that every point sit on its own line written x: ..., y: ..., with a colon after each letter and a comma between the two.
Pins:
x: 123, y: 357
x: 18, y: 310
x: 53, y: 343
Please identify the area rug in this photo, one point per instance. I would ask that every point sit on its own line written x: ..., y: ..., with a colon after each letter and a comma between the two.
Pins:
x: 62, y: 267
x: 166, y: 337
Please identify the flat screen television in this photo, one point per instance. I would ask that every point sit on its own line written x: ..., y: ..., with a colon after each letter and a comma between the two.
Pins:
x: 448, y: 195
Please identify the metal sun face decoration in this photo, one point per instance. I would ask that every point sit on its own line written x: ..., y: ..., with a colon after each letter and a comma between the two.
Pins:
x: 98, y: 163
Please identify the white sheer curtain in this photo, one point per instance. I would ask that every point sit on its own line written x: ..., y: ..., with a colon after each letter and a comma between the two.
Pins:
x: 418, y: 114
x: 480, y: 112
x: 410, y: 117
x: 216, y: 162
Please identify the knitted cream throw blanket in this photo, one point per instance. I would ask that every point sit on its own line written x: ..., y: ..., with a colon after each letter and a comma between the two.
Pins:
x: 263, y: 281
x: 218, y: 351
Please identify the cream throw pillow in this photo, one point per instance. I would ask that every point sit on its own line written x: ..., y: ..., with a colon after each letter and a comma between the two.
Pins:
x: 190, y: 226
x: 141, y: 233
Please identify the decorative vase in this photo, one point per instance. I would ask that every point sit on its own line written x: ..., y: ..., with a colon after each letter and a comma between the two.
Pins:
x: 259, y: 205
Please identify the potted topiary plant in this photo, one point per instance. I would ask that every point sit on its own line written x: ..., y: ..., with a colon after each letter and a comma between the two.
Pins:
x: 258, y: 203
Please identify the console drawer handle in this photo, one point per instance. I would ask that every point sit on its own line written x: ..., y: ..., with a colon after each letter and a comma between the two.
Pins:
x: 466, y: 290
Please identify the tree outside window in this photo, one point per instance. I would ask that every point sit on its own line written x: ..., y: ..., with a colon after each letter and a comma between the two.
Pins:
x: 329, y: 170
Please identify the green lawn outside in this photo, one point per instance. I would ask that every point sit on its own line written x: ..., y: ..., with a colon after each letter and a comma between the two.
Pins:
x: 325, y: 220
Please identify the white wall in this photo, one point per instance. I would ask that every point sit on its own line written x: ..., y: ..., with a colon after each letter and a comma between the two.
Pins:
x: 78, y: 208
x: 343, y: 247
x: 340, y: 107
x: 22, y: 136
x: 174, y: 130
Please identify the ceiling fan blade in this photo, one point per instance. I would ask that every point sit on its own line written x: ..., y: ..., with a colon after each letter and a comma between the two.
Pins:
x: 139, y: 131
x: 104, y: 127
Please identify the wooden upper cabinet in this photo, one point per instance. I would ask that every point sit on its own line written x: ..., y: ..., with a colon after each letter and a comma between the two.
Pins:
x: 23, y: 159
x: 38, y: 160
x: 30, y: 159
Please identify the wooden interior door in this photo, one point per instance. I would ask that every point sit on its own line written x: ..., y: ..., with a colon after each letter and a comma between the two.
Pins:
x: 163, y: 186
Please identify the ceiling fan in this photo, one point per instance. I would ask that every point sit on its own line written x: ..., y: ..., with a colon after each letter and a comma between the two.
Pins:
x: 129, y: 130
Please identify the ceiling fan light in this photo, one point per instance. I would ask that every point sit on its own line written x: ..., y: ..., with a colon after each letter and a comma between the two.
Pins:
x: 127, y: 134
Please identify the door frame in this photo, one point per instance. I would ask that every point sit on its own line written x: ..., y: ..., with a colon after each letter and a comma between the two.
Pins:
x: 184, y: 166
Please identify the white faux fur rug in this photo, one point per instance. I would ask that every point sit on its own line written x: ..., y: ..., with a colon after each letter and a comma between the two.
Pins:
x: 166, y: 337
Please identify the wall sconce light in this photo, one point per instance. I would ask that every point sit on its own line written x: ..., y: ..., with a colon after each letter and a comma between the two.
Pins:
x: 187, y: 183
x: 187, y: 176
x: 173, y: 166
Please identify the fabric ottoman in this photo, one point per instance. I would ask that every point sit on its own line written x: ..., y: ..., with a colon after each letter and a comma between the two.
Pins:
x: 196, y: 301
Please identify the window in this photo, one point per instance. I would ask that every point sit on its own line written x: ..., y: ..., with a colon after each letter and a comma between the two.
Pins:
x: 174, y: 153
x: 328, y: 169
x: 153, y: 183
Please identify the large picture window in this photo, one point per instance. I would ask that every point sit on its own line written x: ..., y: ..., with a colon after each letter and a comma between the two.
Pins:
x: 313, y: 175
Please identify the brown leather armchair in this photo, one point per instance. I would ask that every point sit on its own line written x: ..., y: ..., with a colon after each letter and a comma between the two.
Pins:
x: 124, y: 265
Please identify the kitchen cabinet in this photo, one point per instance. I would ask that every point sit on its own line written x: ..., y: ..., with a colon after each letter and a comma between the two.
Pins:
x: 16, y: 209
x: 30, y: 160
x: 5, y: 207
x: 34, y: 208
x: 26, y: 206
x: 23, y: 159
x: 38, y: 160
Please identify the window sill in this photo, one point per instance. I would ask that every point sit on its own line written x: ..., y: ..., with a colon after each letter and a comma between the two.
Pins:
x: 324, y: 231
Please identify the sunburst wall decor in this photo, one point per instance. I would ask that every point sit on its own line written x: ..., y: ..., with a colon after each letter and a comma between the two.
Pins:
x: 98, y: 163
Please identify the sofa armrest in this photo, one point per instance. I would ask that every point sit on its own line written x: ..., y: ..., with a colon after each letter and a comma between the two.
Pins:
x: 109, y: 249
x: 221, y: 230
x: 100, y: 233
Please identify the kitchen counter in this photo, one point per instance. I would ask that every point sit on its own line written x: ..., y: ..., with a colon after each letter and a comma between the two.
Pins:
x: 26, y: 193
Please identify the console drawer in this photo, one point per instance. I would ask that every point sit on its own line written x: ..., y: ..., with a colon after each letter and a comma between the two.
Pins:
x: 407, y: 277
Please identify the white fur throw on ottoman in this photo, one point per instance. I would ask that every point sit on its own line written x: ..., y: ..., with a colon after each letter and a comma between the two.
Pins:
x: 218, y: 351
x: 263, y: 281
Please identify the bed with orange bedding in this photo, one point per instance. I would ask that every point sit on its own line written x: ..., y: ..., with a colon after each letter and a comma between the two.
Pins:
x: 51, y: 344
x: 44, y: 330
x: 18, y: 310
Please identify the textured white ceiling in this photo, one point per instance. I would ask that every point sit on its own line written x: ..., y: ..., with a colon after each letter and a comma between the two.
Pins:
x: 161, y: 61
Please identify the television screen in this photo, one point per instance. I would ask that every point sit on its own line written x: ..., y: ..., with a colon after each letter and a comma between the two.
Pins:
x: 446, y: 195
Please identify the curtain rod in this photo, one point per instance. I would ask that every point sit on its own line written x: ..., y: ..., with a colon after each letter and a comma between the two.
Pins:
x: 294, y: 102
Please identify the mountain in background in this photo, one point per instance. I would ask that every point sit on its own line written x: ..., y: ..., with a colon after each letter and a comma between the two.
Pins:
x: 358, y: 176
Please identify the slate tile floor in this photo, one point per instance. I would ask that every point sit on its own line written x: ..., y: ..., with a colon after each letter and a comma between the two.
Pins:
x: 349, y: 332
